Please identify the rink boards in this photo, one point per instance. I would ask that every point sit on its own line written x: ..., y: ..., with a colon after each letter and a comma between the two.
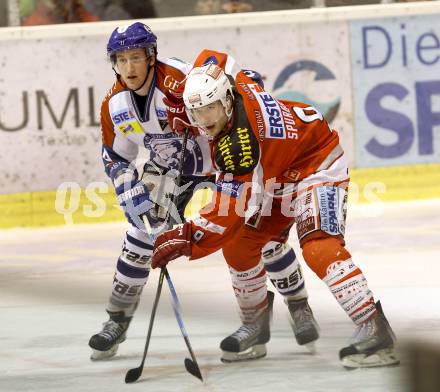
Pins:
x: 93, y: 205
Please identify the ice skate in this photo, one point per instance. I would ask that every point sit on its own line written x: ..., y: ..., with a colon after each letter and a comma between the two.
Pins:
x: 105, y: 343
x: 373, y: 344
x: 304, y: 325
x: 249, y: 341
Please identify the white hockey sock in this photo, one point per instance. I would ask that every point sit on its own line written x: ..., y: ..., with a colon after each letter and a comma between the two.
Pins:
x: 251, y: 292
x: 350, y: 288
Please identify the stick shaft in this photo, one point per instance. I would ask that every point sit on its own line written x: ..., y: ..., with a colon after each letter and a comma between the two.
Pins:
x: 178, y: 312
x: 153, y: 315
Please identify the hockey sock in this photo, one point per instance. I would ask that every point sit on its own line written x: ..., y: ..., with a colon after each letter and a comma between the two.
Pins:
x: 333, y: 264
x: 251, y: 292
x: 284, y: 270
x: 132, y: 270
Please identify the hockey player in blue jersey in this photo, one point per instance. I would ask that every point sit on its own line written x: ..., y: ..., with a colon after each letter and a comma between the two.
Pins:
x: 134, y: 118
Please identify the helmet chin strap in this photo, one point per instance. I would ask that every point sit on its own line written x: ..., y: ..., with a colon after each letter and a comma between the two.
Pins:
x: 229, y: 123
x: 229, y: 114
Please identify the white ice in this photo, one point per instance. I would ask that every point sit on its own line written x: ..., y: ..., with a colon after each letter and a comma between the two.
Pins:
x: 54, y: 285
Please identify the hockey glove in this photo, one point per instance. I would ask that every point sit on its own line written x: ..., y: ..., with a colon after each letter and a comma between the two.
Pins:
x: 177, y: 117
x: 134, y: 198
x: 161, y: 185
x: 172, y: 244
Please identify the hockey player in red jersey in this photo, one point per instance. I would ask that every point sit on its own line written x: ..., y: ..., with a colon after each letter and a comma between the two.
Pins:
x: 279, y: 164
x: 138, y: 113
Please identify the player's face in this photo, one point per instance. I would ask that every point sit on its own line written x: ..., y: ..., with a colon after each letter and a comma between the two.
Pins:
x: 132, y: 65
x: 212, y: 118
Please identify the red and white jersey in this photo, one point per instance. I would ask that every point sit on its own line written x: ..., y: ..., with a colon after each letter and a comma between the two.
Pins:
x: 124, y: 130
x: 271, y: 146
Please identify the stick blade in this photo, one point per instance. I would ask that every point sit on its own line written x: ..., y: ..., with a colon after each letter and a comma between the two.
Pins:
x: 193, y: 368
x: 133, y: 375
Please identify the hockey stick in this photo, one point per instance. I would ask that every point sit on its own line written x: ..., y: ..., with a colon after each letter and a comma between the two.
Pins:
x: 134, y: 374
x: 190, y: 364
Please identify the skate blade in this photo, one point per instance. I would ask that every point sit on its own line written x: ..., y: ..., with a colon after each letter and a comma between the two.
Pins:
x: 254, y: 352
x: 384, y: 357
x: 311, y: 347
x: 103, y: 355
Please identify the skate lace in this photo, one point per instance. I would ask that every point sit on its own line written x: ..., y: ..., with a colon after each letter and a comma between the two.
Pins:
x: 112, y: 330
x: 245, y: 331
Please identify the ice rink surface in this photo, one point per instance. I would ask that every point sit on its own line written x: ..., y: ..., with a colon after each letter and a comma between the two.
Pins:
x: 54, y: 284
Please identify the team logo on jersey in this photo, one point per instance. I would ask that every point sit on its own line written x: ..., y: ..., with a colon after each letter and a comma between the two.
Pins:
x: 285, y: 80
x: 167, y: 147
x: 271, y: 113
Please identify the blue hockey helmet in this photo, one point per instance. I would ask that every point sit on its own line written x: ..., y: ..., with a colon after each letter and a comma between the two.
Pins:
x: 133, y: 36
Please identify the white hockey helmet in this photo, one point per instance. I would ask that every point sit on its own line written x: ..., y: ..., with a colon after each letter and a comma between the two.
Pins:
x: 205, y: 85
